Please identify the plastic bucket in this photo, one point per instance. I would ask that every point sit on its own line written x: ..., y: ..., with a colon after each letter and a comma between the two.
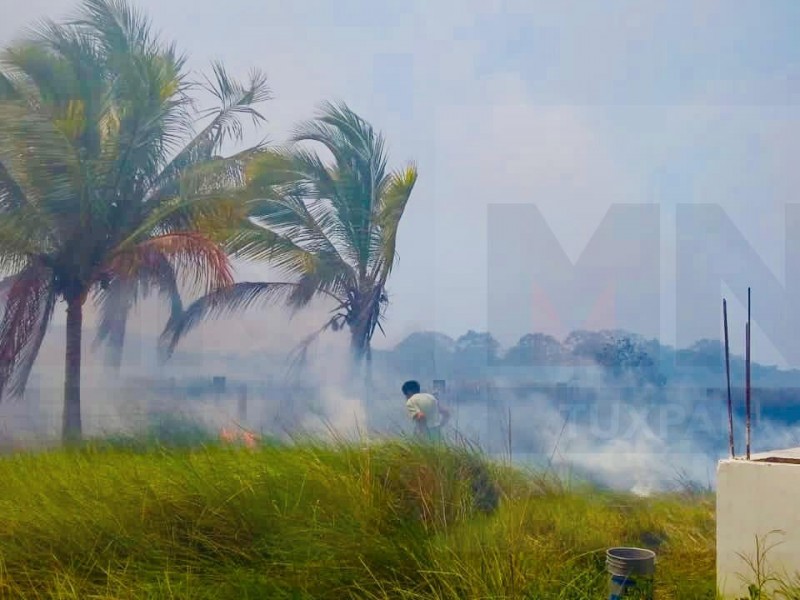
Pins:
x: 631, y: 571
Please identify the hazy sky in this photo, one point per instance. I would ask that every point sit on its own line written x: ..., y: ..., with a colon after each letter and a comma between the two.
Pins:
x: 571, y: 106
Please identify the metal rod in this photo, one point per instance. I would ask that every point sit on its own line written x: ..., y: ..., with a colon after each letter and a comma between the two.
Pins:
x: 747, y: 390
x: 747, y: 376
x: 728, y: 376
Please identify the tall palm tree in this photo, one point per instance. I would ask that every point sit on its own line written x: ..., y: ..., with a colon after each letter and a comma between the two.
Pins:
x: 331, y: 228
x: 105, y: 189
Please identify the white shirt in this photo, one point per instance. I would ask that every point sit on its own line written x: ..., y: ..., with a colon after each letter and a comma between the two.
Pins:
x: 426, y: 404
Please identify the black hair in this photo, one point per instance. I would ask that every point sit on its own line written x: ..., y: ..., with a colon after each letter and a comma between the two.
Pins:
x: 411, y: 387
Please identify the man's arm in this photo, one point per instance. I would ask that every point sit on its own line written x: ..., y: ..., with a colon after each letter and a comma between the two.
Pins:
x: 415, y: 411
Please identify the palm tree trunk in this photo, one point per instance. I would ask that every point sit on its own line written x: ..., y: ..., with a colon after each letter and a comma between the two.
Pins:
x: 359, y: 343
x: 360, y: 362
x: 368, y: 381
x: 356, y: 366
x: 72, y: 381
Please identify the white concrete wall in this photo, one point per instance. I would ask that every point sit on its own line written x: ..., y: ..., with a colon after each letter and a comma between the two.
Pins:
x: 756, y: 500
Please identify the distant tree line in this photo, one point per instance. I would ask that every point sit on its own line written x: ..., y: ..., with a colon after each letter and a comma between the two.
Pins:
x: 618, y: 354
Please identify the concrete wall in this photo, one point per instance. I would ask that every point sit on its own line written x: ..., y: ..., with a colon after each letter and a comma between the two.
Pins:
x: 756, y: 500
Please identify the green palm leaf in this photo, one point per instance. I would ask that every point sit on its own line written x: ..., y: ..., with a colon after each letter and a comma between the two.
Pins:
x: 331, y: 228
x: 104, y: 182
x: 231, y: 300
x: 28, y: 309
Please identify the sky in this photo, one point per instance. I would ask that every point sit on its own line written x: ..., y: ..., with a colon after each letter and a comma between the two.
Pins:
x: 528, y: 120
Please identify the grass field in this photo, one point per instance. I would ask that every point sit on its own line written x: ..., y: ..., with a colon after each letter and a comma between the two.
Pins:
x: 313, y: 520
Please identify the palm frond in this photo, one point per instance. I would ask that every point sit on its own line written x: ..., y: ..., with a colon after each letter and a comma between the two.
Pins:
x: 115, y: 304
x: 116, y: 300
x: 103, y: 178
x: 196, y: 260
x: 204, y: 208
x: 7, y: 88
x: 28, y: 309
x: 150, y: 122
x: 282, y: 183
x: 394, y: 199
x: 329, y: 215
x: 353, y: 182
x: 40, y: 160
x: 72, y: 85
x: 236, y: 102
x: 6, y: 285
x: 299, y: 355
x: 253, y: 242
x: 226, y: 301
x: 286, y: 186
x: 317, y: 272
x: 210, y: 195
x: 292, y: 218
x: 271, y: 172
x: 22, y: 238
x: 334, y: 226
x: 145, y: 113
x: 341, y: 130
x: 216, y: 175
x: 36, y: 74
x: 119, y: 27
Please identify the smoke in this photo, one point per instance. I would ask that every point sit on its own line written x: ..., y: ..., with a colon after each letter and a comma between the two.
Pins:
x: 253, y: 347
x: 616, y: 432
x: 600, y: 437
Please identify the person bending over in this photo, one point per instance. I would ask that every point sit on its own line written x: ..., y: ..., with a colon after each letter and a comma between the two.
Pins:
x: 425, y: 411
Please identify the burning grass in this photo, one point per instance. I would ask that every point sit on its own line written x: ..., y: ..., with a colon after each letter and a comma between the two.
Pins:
x: 391, y: 520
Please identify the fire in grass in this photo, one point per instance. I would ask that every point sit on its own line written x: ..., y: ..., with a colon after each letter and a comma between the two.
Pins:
x: 229, y: 435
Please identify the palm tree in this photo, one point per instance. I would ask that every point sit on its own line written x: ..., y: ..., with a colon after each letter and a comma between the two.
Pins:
x: 330, y: 228
x: 104, y: 188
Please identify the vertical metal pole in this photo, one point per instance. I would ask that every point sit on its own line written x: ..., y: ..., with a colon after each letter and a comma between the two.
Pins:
x: 747, y: 375
x: 728, y: 375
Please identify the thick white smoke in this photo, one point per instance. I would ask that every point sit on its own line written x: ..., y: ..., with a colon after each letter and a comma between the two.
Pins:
x: 618, y: 433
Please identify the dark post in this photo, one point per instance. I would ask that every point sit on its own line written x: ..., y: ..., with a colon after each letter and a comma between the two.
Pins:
x: 728, y: 375
x: 747, y: 376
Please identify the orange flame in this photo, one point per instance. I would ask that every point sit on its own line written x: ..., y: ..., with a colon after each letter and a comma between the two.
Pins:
x: 230, y: 436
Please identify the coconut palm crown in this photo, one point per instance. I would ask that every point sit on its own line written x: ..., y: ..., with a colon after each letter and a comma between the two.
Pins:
x: 107, y: 189
x: 329, y: 226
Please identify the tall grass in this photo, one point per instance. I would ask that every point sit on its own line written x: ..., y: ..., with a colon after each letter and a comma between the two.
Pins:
x: 310, y: 520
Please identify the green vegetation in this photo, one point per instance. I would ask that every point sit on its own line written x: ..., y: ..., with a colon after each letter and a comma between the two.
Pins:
x: 106, y: 187
x: 385, y: 520
x: 113, y: 186
x: 331, y: 229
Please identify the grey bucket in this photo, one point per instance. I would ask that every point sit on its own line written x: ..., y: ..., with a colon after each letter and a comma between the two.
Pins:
x: 631, y: 571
